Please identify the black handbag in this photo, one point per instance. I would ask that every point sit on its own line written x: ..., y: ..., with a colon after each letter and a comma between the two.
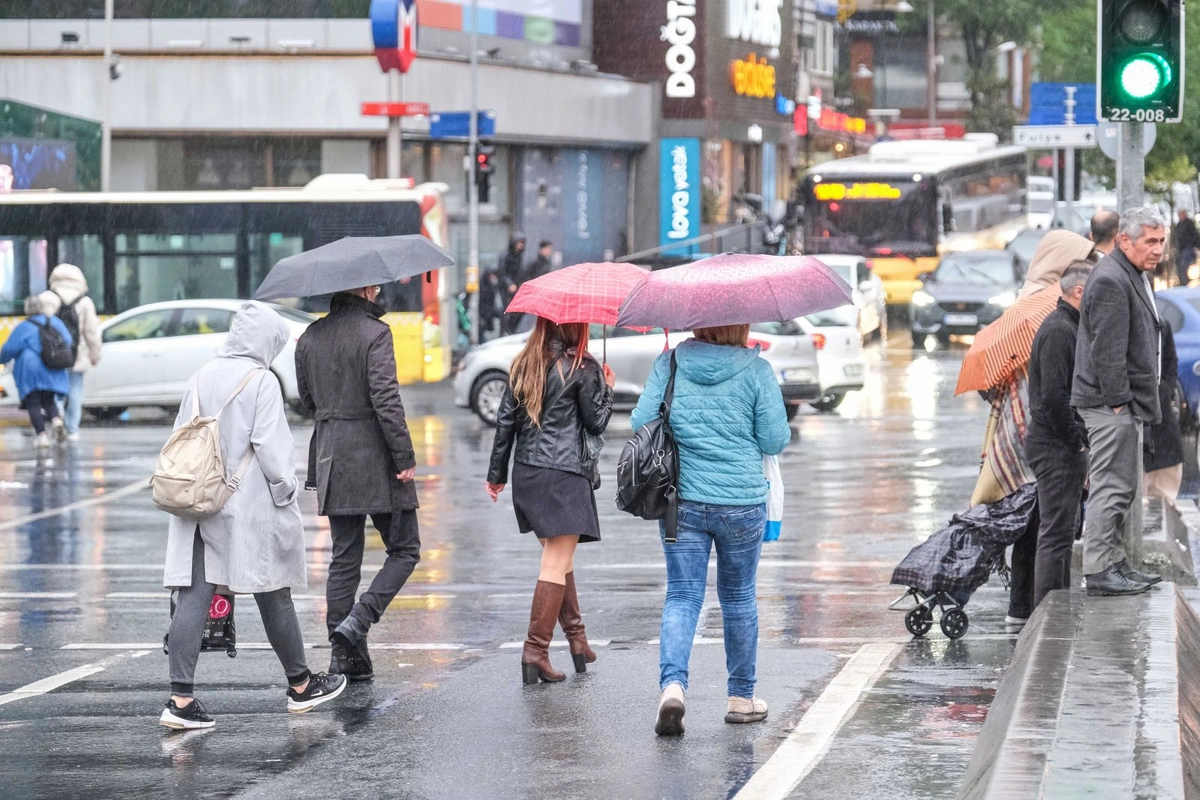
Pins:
x: 648, y: 472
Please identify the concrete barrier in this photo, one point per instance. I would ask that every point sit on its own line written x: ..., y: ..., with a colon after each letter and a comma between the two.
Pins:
x: 1102, y: 699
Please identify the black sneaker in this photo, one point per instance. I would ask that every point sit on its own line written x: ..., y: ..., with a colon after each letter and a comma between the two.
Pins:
x: 321, y: 688
x: 191, y: 717
x: 355, y: 664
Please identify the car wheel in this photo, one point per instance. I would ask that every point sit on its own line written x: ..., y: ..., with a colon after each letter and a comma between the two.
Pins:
x: 486, y: 394
x: 918, y: 340
x: 829, y: 402
x: 107, y: 413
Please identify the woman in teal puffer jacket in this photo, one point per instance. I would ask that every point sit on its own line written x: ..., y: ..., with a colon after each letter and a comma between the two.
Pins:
x: 726, y: 415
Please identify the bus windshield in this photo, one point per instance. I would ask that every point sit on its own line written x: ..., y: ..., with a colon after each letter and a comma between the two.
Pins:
x: 872, y: 217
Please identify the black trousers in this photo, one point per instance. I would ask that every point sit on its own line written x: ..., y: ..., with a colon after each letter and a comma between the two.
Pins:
x: 1020, y: 586
x: 1061, y: 475
x: 402, y: 542
x: 42, y: 407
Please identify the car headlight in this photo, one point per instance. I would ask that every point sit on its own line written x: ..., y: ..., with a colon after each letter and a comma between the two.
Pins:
x: 922, y: 299
x: 1003, y: 300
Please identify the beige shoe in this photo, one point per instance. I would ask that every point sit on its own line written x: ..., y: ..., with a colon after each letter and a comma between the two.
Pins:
x: 670, y: 711
x: 744, y: 709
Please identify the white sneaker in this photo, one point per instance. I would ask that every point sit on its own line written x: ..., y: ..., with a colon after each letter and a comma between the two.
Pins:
x: 1015, y: 622
x: 72, y: 437
x: 670, y: 711
x: 59, y: 429
x: 745, y: 709
x: 42, y: 440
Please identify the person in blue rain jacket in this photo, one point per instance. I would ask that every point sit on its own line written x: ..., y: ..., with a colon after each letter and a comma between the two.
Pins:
x: 727, y: 413
x: 38, y: 386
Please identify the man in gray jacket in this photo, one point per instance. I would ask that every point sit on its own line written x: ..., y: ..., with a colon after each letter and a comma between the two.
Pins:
x: 361, y: 462
x: 1117, y: 364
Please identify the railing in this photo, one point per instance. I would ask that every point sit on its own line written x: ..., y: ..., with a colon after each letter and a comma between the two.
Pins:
x: 739, y: 238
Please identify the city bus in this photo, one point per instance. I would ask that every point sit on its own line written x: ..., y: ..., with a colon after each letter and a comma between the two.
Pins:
x: 143, y: 247
x: 904, y: 203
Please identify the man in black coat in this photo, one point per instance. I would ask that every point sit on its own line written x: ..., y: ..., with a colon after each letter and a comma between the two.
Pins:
x: 361, y: 462
x: 1117, y: 365
x: 509, y: 275
x: 541, y: 265
x: 1187, y: 240
x: 1056, y: 439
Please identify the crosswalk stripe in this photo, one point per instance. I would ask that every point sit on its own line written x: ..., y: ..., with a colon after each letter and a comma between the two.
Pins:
x: 63, y: 678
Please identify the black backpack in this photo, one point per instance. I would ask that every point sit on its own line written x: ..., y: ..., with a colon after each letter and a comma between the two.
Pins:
x: 56, y: 353
x: 70, y: 318
x: 648, y: 472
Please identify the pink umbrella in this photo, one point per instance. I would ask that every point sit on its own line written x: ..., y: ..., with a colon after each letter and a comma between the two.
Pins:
x: 579, y: 293
x: 734, y: 289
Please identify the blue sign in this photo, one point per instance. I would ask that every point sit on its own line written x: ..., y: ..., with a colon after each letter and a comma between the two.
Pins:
x: 1047, y: 103
x: 679, y: 192
x: 457, y: 124
x: 785, y: 106
x: 394, y: 32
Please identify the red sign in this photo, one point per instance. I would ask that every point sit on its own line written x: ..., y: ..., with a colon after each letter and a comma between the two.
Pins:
x: 905, y: 131
x: 830, y: 120
x: 395, y: 109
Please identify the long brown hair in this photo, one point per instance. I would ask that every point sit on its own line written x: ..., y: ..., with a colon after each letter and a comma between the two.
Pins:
x: 528, y: 375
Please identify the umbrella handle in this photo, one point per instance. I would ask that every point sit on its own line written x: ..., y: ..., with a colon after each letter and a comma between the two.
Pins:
x: 605, y: 345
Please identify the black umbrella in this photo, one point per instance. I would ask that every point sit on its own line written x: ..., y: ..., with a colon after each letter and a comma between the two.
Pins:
x: 352, y: 263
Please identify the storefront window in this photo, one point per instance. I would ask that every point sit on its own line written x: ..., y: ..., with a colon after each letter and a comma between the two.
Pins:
x: 22, y: 271
x: 156, y: 267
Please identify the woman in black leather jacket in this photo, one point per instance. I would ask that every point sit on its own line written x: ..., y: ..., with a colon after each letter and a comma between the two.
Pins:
x: 557, y: 405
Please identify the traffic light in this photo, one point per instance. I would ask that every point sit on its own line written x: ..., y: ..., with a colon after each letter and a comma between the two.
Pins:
x: 1140, y: 60
x: 484, y: 169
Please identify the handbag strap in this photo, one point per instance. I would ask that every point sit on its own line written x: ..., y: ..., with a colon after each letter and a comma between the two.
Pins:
x: 669, y: 394
x: 671, y: 534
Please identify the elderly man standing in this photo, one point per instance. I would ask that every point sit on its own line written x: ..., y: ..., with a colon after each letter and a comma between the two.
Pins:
x: 361, y: 462
x: 1117, y: 364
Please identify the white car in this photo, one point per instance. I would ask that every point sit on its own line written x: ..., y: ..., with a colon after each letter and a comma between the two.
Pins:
x: 868, y: 309
x: 842, y: 366
x: 149, y: 353
x: 483, y: 374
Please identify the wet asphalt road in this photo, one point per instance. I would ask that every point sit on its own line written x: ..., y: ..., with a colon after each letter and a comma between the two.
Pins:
x: 81, y: 604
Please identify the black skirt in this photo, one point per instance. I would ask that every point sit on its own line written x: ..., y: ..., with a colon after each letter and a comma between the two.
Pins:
x: 551, y: 502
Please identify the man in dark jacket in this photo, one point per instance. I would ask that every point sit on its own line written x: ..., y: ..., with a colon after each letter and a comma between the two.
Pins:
x: 1187, y: 240
x: 541, y: 265
x: 1117, y: 363
x: 509, y: 275
x: 361, y: 462
x: 1056, y: 440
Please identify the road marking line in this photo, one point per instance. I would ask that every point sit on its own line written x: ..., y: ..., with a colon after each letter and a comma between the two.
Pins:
x: 78, y: 567
x: 418, y: 646
x: 808, y: 743
x: 765, y: 563
x: 38, y: 595
x: 592, y: 642
x: 113, y: 646
x: 115, y: 494
x: 63, y: 678
x: 11, y: 646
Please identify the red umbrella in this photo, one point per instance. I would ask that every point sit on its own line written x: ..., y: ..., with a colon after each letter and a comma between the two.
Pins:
x: 589, y: 293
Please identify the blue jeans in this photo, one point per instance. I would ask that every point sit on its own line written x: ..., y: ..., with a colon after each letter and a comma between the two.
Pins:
x: 737, y: 532
x: 72, y: 406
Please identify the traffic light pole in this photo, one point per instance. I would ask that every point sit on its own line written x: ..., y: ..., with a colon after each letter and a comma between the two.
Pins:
x: 473, y: 185
x: 1131, y: 166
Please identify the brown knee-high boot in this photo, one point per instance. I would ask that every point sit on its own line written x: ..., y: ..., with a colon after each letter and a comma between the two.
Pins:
x: 572, y: 624
x: 535, y: 657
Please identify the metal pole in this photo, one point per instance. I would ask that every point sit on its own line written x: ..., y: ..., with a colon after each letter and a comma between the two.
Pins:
x: 107, y: 78
x: 472, y: 187
x: 931, y: 67
x: 393, y: 136
x: 1069, y: 180
x: 1131, y: 166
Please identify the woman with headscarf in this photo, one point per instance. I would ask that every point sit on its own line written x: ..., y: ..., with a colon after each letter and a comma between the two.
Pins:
x: 1005, y: 469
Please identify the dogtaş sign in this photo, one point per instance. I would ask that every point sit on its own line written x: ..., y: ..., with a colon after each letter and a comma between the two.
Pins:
x: 680, y: 35
x: 679, y: 191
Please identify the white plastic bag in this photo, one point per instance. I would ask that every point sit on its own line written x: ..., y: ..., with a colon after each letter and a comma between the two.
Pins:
x: 774, y: 498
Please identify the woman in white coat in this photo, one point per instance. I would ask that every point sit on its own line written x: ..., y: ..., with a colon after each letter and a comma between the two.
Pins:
x: 255, y: 544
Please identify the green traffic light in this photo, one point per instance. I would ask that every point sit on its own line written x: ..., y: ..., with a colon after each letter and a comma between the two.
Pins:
x: 1144, y: 75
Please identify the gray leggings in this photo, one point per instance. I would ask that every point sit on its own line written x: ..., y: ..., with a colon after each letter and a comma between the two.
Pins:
x: 191, y: 610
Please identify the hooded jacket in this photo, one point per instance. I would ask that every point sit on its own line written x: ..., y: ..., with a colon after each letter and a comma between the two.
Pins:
x: 256, y: 542
x: 1053, y: 255
x: 24, y: 346
x: 727, y: 414
x: 67, y: 283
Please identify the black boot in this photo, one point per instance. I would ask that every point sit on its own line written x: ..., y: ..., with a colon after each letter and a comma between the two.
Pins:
x: 349, y: 640
x: 1135, y: 575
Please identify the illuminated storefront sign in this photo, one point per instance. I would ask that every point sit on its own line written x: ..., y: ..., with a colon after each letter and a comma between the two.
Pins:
x: 827, y: 192
x: 679, y: 190
x: 756, y: 21
x: 680, y: 33
x: 830, y: 120
x: 753, y: 77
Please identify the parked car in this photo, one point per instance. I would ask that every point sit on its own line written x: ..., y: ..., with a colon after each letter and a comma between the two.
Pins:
x: 149, y: 353
x: 1025, y: 244
x: 842, y: 368
x: 1180, y: 308
x: 967, y: 291
x: 868, y: 311
x: 483, y: 373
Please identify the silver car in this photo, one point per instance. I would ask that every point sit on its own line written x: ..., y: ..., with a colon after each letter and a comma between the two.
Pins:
x: 483, y: 374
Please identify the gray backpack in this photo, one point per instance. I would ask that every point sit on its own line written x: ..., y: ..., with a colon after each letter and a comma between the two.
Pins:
x: 189, y: 478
